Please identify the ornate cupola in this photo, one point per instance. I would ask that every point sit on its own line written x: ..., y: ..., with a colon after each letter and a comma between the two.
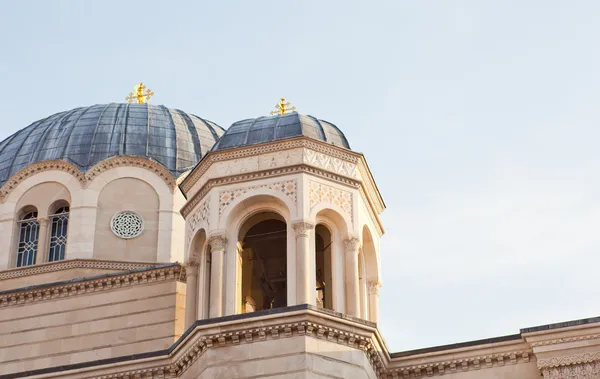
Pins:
x: 282, y: 212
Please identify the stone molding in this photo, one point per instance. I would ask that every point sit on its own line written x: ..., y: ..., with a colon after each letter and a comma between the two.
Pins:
x: 86, y: 178
x: 303, y: 229
x: 217, y: 242
x: 566, y: 339
x: 459, y: 365
x: 269, y: 147
x: 196, y: 198
x: 21, y: 296
x: 73, y: 263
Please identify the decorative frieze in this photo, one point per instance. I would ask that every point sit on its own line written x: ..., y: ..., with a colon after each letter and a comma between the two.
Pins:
x: 331, y: 163
x: 201, y: 215
x: 265, y: 150
x: 19, y: 296
x: 589, y: 370
x: 287, y: 187
x: 70, y: 264
x: 322, y: 193
x: 87, y: 177
x: 458, y: 365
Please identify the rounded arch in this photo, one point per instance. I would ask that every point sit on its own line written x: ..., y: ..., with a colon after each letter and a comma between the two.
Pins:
x: 197, y: 246
x: 104, y: 178
x: 43, y: 195
x: 270, y: 199
x: 26, y: 212
x: 73, y: 190
x: 332, y: 214
x: 47, y: 171
x: 58, y: 205
x: 246, y: 206
x: 369, y: 250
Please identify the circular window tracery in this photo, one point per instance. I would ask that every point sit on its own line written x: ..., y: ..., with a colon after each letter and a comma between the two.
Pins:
x: 127, y: 224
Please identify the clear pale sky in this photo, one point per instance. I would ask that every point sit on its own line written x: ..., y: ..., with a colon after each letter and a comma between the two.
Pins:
x: 479, y: 119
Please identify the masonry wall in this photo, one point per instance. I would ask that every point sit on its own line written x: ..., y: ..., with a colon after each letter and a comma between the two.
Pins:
x: 89, y: 326
x: 287, y: 357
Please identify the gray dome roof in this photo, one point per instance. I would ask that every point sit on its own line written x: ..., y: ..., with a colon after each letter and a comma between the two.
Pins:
x: 265, y: 129
x: 85, y: 136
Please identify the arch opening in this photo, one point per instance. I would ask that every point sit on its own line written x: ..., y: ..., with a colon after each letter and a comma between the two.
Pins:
x: 323, y: 259
x: 59, y: 223
x: 28, y: 226
x: 263, y: 259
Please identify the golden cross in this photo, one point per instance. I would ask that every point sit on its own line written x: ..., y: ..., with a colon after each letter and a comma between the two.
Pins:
x: 139, y: 96
x: 282, y: 107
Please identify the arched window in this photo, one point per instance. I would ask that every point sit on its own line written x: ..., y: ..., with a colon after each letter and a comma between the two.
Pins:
x: 59, y: 222
x: 28, y: 239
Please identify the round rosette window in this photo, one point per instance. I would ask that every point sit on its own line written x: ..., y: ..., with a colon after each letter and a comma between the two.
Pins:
x: 127, y: 224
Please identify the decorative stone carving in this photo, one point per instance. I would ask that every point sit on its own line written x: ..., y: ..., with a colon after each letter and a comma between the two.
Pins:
x: 127, y: 224
x: 374, y: 287
x: 322, y: 193
x: 330, y: 163
x: 287, y: 187
x: 85, y: 178
x: 200, y: 215
x: 217, y: 242
x: 303, y: 229
x: 351, y: 244
x: 77, y: 287
x: 589, y: 370
x: 121, y: 161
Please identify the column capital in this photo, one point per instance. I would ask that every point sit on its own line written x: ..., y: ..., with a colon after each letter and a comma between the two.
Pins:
x: 374, y: 286
x: 351, y: 244
x: 43, y: 221
x: 303, y: 228
x: 192, y: 262
x: 217, y: 242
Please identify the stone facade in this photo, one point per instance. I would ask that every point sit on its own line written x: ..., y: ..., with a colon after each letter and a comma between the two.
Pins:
x: 126, y: 308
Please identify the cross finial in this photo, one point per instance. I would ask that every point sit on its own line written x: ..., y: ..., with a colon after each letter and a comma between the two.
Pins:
x: 282, y: 107
x: 139, y: 96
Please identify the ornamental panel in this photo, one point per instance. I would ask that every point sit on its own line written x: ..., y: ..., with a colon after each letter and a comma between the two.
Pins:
x: 127, y: 224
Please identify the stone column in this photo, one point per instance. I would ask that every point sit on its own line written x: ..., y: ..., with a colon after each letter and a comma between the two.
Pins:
x: 351, y: 246
x: 42, y: 247
x: 305, y: 288
x: 191, y: 292
x: 217, y: 246
x: 374, y: 300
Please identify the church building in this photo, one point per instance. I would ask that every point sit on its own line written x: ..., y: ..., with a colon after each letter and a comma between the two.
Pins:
x: 143, y: 242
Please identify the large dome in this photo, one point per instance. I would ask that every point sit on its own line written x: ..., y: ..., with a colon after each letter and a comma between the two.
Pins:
x: 265, y: 129
x: 85, y: 136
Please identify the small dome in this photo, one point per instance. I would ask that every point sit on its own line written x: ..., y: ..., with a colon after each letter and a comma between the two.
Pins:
x: 85, y: 136
x: 273, y: 128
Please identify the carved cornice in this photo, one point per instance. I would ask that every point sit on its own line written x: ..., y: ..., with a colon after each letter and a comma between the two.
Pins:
x: 587, y: 370
x: 68, y: 289
x: 459, y: 365
x: 70, y: 264
x: 568, y: 360
x: 274, y: 332
x: 268, y: 147
x: 87, y: 177
x: 566, y: 339
x: 196, y: 198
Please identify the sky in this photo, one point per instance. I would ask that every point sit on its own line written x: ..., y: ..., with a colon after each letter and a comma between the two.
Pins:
x: 479, y: 120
